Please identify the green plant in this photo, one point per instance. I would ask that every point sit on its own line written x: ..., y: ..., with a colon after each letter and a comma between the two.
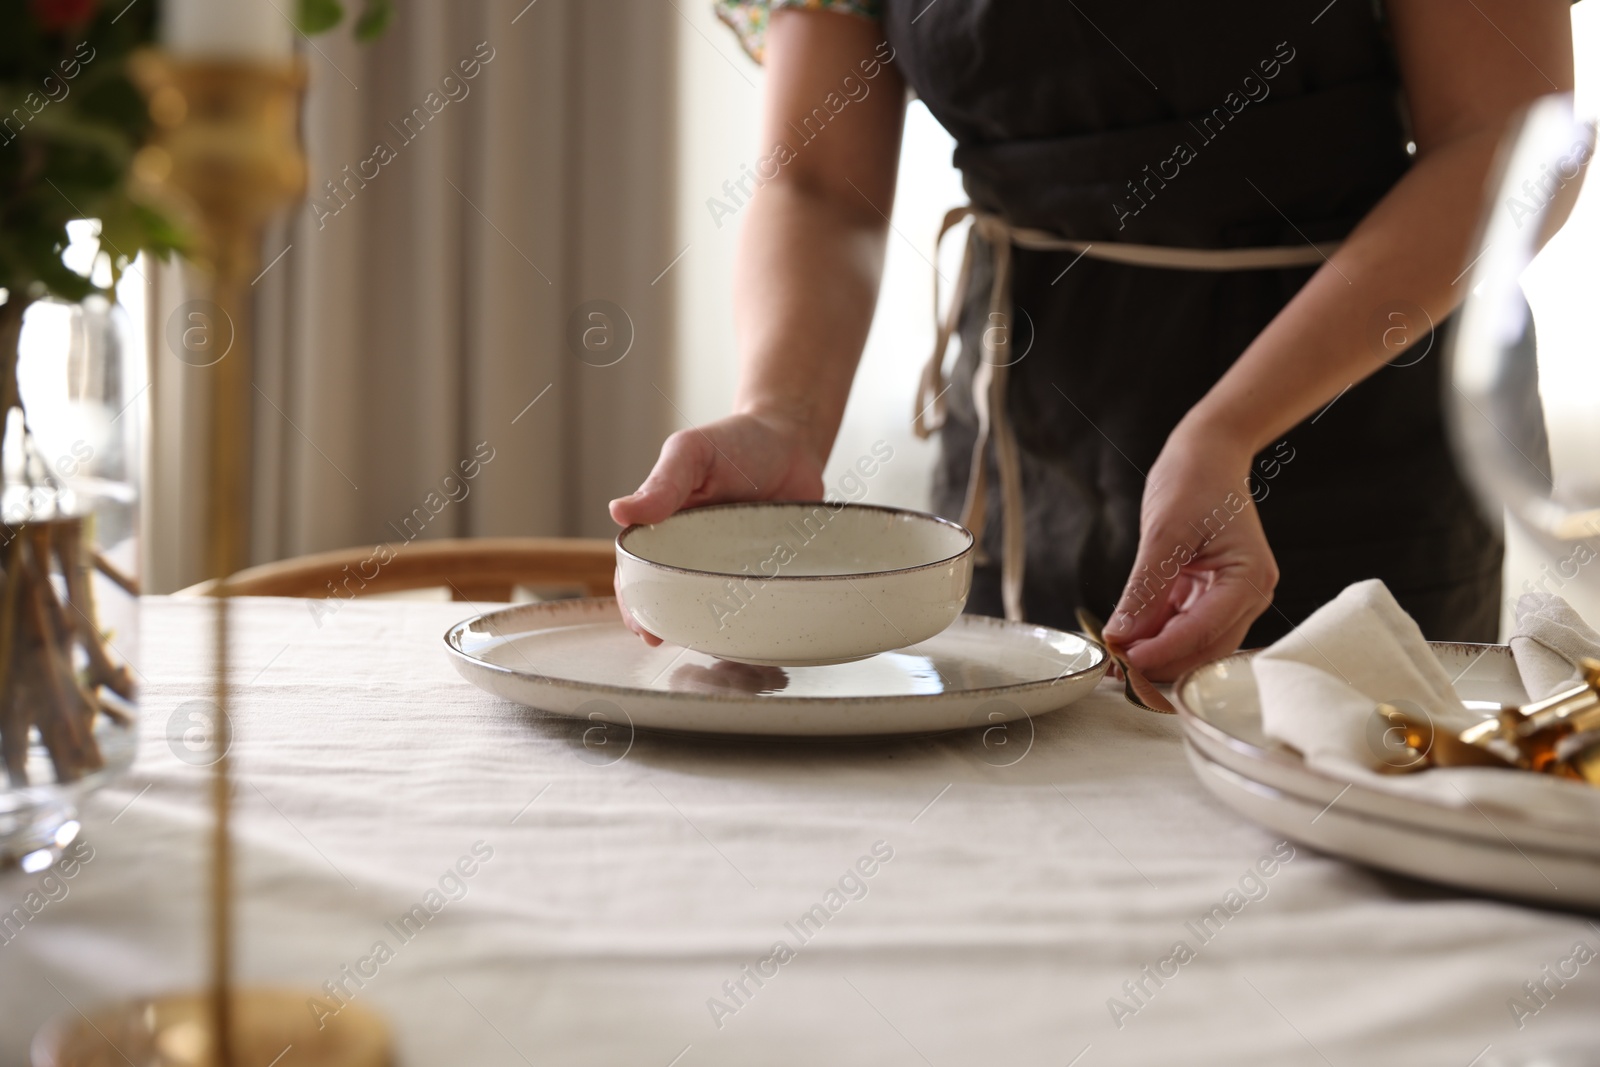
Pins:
x: 315, y: 16
x: 70, y: 123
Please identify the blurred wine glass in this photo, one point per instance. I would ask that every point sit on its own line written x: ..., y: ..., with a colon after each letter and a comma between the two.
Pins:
x: 1526, y: 431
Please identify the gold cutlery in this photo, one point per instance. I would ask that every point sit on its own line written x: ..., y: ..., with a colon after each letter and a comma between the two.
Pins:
x: 1559, y: 735
x: 1138, y: 689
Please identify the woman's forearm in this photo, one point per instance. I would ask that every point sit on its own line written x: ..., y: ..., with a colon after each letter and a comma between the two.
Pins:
x: 1359, y: 310
x: 1465, y: 80
x: 806, y: 281
x: 811, y: 252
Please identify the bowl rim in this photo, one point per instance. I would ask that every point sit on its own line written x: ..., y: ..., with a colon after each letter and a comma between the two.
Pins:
x: 623, y: 550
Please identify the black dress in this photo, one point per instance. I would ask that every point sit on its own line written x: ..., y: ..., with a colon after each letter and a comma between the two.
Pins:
x: 1170, y: 122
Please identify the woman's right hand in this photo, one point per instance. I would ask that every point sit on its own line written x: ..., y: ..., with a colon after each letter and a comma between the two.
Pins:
x: 813, y: 236
x: 741, y: 457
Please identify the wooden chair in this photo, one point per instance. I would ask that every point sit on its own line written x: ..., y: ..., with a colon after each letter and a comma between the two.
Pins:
x: 473, y: 569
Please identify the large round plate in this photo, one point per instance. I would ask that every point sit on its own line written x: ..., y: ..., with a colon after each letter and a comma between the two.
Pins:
x: 1535, y: 857
x: 575, y: 657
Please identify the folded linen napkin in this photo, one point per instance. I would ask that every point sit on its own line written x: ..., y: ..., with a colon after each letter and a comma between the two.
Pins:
x: 1549, y: 641
x: 1320, y: 685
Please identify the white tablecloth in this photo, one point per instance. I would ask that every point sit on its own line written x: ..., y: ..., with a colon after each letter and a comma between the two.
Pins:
x: 619, y: 898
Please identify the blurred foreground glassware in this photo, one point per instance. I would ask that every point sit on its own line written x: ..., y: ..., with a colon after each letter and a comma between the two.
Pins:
x: 1497, y: 416
x: 69, y: 555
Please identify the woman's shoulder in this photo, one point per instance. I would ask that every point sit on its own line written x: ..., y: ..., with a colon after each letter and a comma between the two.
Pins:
x: 748, y: 18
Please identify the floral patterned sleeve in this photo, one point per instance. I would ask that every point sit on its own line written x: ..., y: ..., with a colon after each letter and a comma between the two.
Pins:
x: 748, y: 18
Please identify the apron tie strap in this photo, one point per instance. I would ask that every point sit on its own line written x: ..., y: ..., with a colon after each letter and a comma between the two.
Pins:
x: 990, y: 378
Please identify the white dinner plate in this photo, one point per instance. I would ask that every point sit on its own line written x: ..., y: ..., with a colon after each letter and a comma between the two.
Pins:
x: 1534, y: 857
x: 575, y: 658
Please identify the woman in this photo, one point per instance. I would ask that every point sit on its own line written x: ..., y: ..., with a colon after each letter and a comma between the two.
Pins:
x: 1186, y: 425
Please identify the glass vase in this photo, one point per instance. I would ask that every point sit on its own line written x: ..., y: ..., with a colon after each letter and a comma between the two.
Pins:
x: 69, y: 562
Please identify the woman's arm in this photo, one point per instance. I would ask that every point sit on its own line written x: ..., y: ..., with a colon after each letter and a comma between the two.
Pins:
x: 811, y: 254
x: 1467, y: 69
x: 806, y: 276
x: 809, y: 262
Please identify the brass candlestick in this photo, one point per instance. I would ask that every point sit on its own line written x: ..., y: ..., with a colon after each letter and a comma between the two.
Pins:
x: 226, y: 156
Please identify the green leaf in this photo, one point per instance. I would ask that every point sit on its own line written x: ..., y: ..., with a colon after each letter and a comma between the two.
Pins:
x: 128, y: 228
x: 319, y: 16
x: 162, y: 236
x: 374, y: 19
x: 64, y: 130
x: 53, y: 278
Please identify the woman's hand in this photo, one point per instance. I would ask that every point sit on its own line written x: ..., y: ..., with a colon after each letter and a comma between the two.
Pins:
x: 741, y: 457
x: 1204, y: 572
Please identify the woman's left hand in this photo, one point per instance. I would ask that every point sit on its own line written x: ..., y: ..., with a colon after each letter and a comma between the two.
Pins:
x: 1204, y: 571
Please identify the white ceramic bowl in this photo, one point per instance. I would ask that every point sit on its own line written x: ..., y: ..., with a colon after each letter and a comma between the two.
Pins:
x: 795, y: 584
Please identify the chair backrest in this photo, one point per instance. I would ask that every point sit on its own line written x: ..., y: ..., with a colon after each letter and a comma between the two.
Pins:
x: 473, y: 569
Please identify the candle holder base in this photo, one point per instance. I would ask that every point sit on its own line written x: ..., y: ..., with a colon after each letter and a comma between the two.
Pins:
x: 174, y: 1031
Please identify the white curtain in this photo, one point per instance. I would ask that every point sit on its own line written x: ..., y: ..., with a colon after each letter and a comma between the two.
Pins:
x: 497, y: 168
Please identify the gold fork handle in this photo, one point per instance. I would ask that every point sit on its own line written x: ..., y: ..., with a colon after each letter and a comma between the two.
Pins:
x: 1136, y: 688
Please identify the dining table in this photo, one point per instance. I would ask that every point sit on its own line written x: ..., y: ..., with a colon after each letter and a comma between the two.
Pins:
x: 1059, y: 891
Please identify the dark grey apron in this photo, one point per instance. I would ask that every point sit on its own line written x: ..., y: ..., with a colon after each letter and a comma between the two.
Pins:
x: 1068, y: 118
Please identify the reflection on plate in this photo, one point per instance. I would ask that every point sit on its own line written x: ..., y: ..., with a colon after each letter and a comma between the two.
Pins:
x: 1544, y: 859
x: 575, y: 657
x: 726, y: 676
